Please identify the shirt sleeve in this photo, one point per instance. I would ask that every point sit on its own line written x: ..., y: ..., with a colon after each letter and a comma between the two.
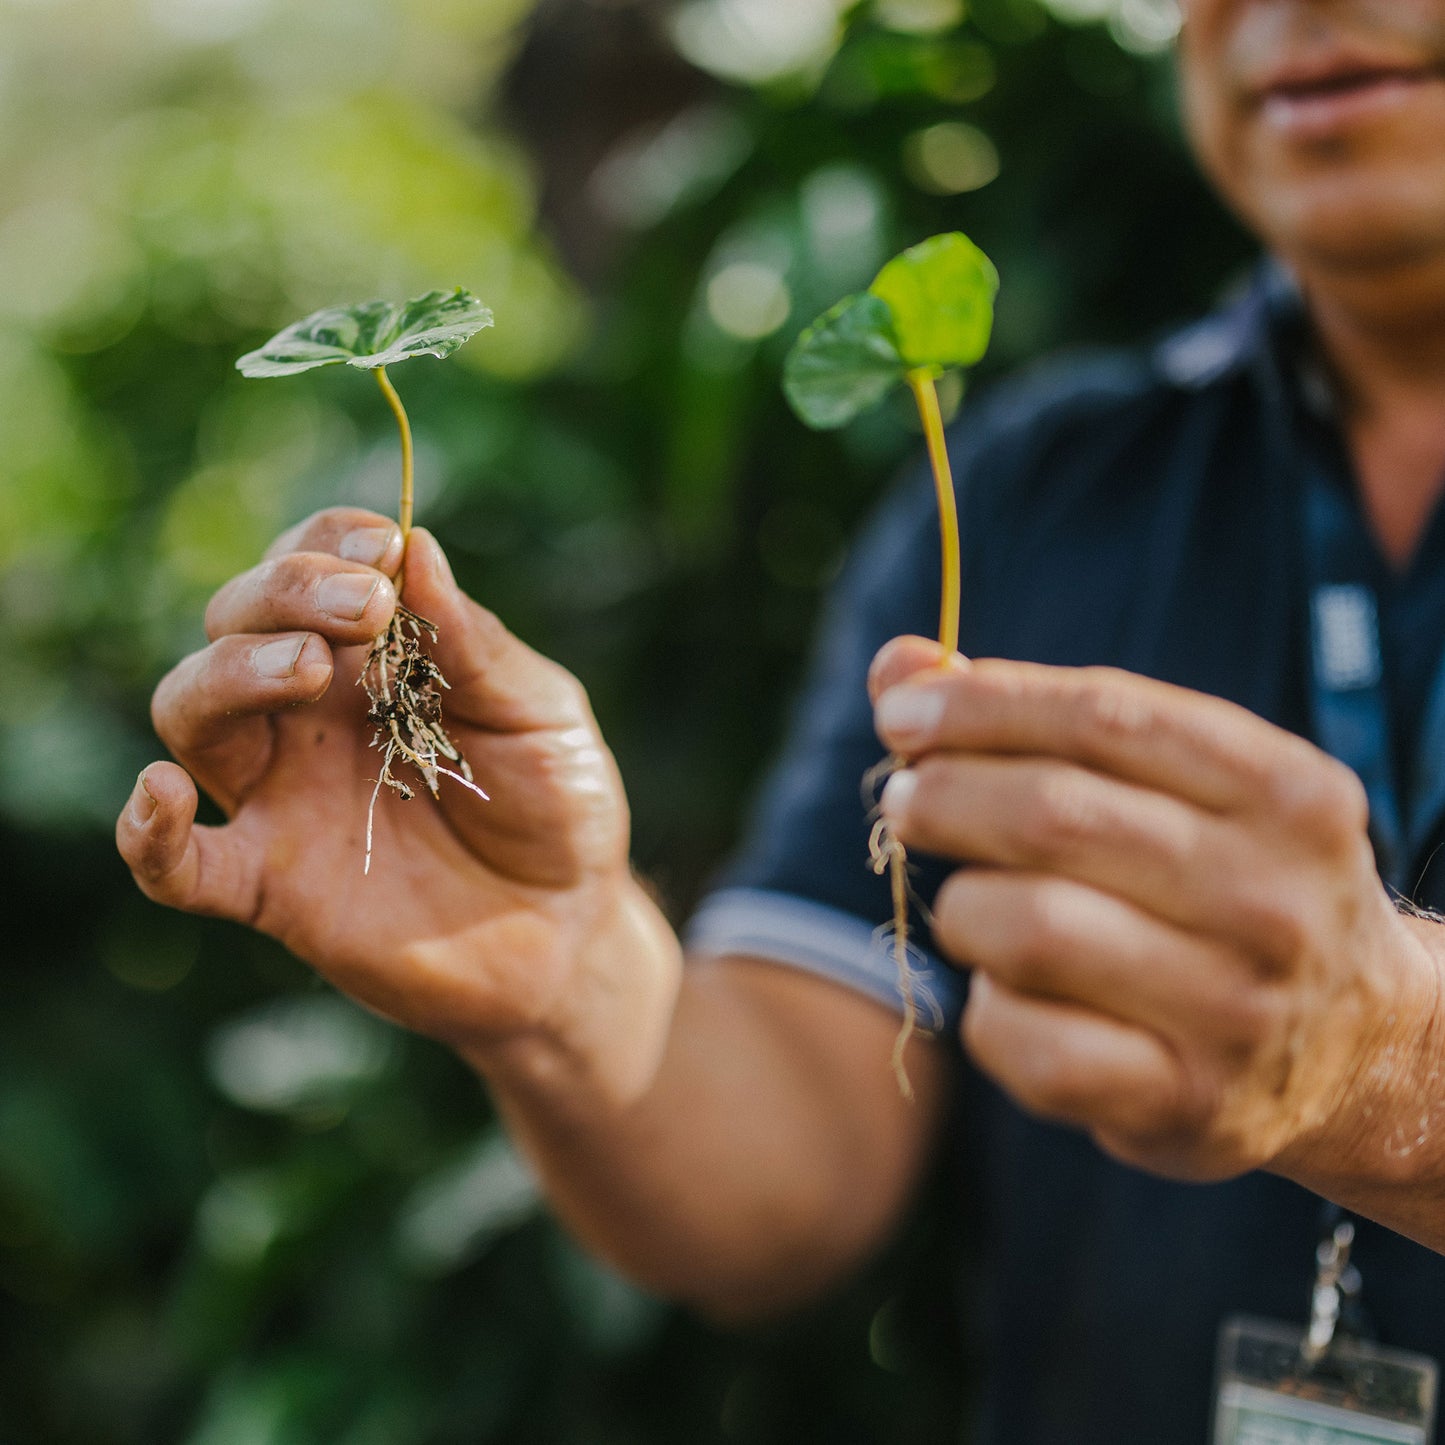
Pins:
x: 800, y: 891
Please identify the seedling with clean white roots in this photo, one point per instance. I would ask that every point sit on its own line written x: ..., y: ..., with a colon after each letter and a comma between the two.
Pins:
x: 403, y: 685
x: 928, y: 311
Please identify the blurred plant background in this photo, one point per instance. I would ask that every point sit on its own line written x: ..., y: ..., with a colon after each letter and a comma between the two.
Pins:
x: 235, y: 1210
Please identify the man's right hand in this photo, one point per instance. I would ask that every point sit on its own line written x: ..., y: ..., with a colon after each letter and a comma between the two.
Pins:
x: 511, y: 929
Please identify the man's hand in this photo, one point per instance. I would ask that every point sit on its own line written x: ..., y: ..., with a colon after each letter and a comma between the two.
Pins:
x: 492, y: 925
x: 1179, y: 938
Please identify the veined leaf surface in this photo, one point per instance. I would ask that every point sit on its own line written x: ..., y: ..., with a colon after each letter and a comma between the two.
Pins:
x: 843, y: 363
x: 371, y: 334
x: 940, y: 293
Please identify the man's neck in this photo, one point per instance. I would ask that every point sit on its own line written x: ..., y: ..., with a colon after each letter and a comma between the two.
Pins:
x: 1385, y: 347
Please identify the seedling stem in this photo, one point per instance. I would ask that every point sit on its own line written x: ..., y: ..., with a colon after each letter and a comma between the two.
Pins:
x: 920, y: 381
x: 408, y: 494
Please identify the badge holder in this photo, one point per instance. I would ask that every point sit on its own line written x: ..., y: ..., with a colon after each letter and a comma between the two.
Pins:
x: 1279, y: 1385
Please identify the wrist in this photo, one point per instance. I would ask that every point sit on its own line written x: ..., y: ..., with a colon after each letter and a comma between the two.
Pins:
x: 600, y: 1043
x: 1383, y: 1132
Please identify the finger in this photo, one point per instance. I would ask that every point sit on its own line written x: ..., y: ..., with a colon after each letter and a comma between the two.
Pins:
x: 1050, y: 817
x: 351, y: 533
x: 905, y: 657
x: 1202, y: 748
x: 304, y: 591
x: 177, y: 863
x: 210, y: 709
x: 1052, y: 938
x: 497, y: 682
x: 1075, y: 1066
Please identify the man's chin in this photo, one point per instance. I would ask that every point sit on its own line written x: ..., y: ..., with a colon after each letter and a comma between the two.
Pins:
x: 1365, y: 228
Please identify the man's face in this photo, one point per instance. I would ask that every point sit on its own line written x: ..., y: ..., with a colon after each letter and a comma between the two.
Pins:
x: 1323, y: 123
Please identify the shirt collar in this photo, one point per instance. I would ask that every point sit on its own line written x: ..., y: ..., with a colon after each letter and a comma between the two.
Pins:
x: 1262, y: 320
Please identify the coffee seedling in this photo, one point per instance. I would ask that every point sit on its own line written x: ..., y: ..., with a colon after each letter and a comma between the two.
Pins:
x: 403, y: 685
x: 928, y: 310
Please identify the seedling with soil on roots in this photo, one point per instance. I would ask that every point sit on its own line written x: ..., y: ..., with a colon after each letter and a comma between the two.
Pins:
x: 928, y: 310
x: 403, y: 685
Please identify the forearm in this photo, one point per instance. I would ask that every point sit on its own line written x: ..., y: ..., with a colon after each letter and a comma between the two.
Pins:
x: 769, y: 1152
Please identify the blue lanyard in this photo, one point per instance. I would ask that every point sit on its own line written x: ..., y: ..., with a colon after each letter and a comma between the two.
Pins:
x: 1347, y: 688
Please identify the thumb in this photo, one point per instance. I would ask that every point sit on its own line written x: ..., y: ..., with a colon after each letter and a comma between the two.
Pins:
x: 179, y: 863
x: 497, y: 682
x: 906, y: 657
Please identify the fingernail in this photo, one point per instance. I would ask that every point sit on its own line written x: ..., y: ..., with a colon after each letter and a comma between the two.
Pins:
x: 142, y: 804
x: 367, y: 544
x: 345, y: 594
x: 909, y: 712
x: 898, y: 792
x: 279, y: 658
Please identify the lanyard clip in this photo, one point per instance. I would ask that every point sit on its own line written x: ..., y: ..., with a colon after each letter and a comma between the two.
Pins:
x: 1336, y: 1281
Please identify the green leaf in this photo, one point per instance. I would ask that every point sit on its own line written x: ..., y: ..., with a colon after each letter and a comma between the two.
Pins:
x: 371, y: 334
x: 940, y: 293
x: 843, y: 363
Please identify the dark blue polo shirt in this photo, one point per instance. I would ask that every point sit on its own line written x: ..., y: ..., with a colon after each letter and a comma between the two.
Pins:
x: 1188, y: 514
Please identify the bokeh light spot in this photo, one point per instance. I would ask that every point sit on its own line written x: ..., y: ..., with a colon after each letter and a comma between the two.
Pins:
x: 298, y: 1053
x: 748, y: 300
x: 756, y: 41
x: 950, y: 158
x: 920, y: 17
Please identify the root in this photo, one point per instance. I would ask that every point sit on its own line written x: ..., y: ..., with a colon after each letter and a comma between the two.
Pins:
x: 887, y: 855
x: 403, y: 686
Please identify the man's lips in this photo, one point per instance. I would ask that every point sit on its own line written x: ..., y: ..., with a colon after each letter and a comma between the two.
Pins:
x: 1324, y: 98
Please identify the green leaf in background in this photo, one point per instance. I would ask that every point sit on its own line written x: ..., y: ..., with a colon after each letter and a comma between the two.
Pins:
x: 371, y: 334
x: 940, y: 293
x: 843, y: 363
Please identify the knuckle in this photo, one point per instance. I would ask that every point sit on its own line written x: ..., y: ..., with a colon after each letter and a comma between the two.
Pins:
x: 168, y: 700
x: 213, y: 622
x: 326, y: 522
x: 299, y: 534
x: 1340, y: 809
x: 1109, y: 710
x: 1059, y: 814
x: 1048, y: 1081
x: 322, y: 530
x: 1038, y: 934
x: 1278, y: 921
x: 293, y: 578
x: 1249, y: 1017
x: 1323, y: 797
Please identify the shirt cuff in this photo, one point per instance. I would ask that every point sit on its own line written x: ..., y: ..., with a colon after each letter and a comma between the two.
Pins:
x: 759, y: 923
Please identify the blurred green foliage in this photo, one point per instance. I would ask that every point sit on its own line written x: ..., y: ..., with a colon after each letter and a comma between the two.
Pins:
x: 234, y: 1210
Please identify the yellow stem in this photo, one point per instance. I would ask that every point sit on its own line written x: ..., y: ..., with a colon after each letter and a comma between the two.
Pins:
x: 403, y: 514
x: 920, y: 380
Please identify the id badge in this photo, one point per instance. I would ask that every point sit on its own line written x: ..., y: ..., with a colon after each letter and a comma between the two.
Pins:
x: 1358, y: 1394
